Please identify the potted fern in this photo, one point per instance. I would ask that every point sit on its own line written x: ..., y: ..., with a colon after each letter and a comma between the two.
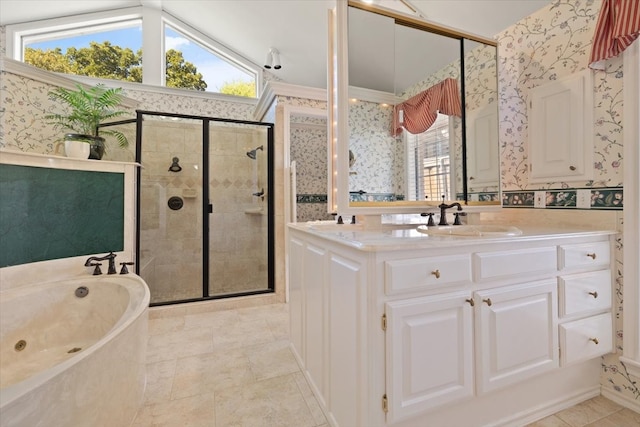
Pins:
x: 85, y: 110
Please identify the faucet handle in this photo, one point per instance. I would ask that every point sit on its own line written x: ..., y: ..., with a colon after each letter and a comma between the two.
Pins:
x: 430, y: 222
x: 96, y: 270
x: 124, y: 269
x: 457, y: 221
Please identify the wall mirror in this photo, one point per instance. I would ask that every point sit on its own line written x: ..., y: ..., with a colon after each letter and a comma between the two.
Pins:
x: 387, y: 68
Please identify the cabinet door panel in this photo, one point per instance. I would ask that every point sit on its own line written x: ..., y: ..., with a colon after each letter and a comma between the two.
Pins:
x: 345, y: 293
x: 315, y: 316
x: 561, y: 129
x: 296, y: 277
x: 517, y: 336
x: 429, y: 353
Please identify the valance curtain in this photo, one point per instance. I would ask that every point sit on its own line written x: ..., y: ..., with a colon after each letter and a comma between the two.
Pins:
x: 618, y: 26
x: 418, y: 113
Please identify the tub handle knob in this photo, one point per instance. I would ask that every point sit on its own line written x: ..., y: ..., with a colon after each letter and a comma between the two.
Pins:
x: 124, y: 269
x: 96, y: 270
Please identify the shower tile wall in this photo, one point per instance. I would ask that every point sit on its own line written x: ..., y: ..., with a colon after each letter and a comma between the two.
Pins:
x: 238, y: 225
x: 171, y: 240
x: 309, y: 150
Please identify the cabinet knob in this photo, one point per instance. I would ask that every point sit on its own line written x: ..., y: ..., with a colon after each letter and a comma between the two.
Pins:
x: 572, y: 168
x: 470, y: 301
x: 595, y: 340
x: 592, y: 256
x: 594, y: 294
x: 488, y: 301
x: 436, y: 273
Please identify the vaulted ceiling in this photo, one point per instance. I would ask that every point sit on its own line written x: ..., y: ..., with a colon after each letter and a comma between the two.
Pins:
x: 297, y: 28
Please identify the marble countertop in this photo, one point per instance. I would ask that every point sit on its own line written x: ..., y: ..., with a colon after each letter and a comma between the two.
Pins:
x: 406, y: 236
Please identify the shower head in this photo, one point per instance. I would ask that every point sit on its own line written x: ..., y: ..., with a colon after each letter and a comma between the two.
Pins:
x: 252, y: 154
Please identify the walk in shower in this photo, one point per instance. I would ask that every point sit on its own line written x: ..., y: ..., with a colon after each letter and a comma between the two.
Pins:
x: 205, y: 212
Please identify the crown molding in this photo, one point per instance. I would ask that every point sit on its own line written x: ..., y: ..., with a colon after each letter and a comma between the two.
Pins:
x: 273, y: 89
x: 371, y: 95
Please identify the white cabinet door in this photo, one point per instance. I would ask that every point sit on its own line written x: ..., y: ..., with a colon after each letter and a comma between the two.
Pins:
x: 296, y: 281
x: 346, y: 288
x: 516, y: 333
x: 482, y: 146
x: 429, y: 353
x: 315, y: 315
x: 561, y: 129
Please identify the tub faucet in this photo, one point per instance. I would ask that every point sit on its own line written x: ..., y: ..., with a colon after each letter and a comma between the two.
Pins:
x: 443, y: 211
x: 110, y: 256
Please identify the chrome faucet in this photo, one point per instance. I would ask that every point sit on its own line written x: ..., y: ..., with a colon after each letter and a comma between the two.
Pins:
x: 443, y: 211
x: 112, y: 263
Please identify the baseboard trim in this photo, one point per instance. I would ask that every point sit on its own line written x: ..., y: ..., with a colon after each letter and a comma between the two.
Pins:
x: 621, y: 399
x: 541, y: 411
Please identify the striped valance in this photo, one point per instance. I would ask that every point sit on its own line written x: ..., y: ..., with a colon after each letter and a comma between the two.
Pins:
x: 418, y: 113
x: 618, y: 26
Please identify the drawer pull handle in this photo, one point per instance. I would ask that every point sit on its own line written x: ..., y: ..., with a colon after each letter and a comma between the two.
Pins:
x: 572, y: 168
x: 592, y: 256
x: 594, y: 294
x: 488, y: 301
x: 436, y: 273
x: 595, y: 340
x: 470, y: 301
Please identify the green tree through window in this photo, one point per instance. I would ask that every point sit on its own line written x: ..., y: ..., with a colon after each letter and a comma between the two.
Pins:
x: 105, y: 60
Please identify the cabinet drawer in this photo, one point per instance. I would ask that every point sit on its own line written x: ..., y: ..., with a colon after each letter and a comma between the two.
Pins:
x: 584, y: 293
x: 585, y: 339
x: 409, y: 274
x: 587, y: 254
x: 515, y: 263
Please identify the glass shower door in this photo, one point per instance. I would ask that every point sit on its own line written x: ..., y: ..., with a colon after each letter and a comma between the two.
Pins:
x: 170, y: 210
x: 239, y: 193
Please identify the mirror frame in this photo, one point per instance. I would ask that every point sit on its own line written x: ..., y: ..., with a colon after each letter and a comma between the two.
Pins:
x: 338, y: 90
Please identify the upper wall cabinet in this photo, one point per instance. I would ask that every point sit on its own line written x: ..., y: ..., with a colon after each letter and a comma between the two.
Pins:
x: 561, y: 129
x: 415, y: 104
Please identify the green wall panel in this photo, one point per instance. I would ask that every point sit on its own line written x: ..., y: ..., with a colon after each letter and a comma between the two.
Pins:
x: 49, y: 214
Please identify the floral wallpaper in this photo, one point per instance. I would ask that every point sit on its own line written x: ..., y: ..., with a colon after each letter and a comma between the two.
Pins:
x: 549, y: 44
x: 25, y: 101
x: 553, y: 43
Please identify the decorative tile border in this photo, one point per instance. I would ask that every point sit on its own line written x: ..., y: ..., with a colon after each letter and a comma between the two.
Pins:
x: 311, y: 198
x: 374, y: 197
x: 493, y: 196
x: 601, y: 198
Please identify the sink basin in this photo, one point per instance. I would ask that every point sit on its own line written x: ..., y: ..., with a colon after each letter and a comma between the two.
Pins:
x: 470, y: 230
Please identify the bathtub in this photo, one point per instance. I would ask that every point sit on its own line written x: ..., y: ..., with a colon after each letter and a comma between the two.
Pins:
x: 74, y: 361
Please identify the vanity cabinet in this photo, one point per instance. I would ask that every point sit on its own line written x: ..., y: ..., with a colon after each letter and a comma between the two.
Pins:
x: 387, y: 334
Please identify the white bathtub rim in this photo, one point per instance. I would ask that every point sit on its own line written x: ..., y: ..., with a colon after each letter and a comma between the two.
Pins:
x: 129, y: 317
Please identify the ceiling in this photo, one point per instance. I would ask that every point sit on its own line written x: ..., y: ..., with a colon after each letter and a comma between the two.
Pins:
x: 297, y: 28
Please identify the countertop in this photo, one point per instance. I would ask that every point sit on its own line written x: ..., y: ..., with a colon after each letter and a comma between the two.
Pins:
x: 388, y: 237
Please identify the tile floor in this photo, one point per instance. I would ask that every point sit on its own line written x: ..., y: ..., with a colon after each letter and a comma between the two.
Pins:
x: 234, y: 368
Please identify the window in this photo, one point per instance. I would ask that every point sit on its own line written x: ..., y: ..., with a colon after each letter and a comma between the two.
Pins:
x: 429, y: 177
x: 110, y: 45
x: 210, y: 71
x: 111, y: 51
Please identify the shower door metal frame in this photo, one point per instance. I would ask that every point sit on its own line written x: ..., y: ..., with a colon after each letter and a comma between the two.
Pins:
x: 207, y: 207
